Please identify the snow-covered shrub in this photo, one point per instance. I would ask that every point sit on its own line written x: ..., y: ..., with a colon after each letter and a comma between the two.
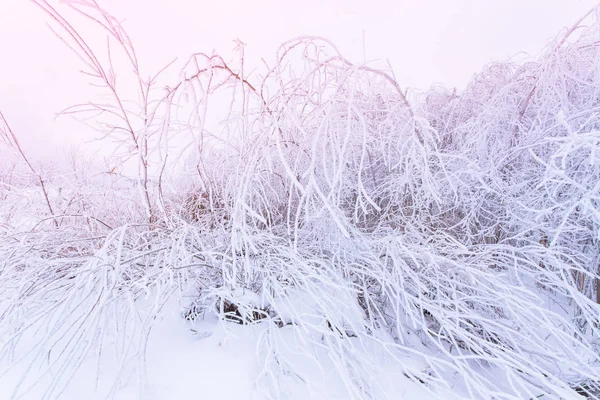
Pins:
x: 452, y: 238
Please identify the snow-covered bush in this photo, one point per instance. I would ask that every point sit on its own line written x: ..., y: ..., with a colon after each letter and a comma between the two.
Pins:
x: 453, y: 238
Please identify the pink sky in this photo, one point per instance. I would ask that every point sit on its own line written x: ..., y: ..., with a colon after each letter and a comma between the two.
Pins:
x: 426, y: 41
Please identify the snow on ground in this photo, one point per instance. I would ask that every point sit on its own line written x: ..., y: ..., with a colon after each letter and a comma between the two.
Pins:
x: 211, y: 359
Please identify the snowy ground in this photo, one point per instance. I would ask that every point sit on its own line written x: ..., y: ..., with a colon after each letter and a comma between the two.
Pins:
x: 218, y: 359
x: 208, y: 358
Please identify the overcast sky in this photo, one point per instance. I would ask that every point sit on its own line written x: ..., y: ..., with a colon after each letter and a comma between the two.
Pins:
x: 426, y: 42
